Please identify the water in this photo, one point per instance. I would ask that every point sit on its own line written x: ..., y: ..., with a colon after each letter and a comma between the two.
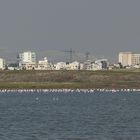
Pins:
x: 59, y: 116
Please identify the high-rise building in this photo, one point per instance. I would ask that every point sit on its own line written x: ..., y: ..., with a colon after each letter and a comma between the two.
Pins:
x: 136, y: 59
x: 129, y: 59
x: 2, y: 64
x: 27, y: 58
x: 125, y: 58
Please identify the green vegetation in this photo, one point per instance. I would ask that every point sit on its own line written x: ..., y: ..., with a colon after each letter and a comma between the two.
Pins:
x: 69, y: 79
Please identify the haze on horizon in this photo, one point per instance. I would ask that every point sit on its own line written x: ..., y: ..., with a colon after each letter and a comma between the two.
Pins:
x: 101, y: 27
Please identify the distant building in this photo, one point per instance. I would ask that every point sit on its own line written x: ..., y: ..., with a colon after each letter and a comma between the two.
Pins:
x: 129, y: 59
x: 88, y: 65
x: 95, y: 67
x: 2, y: 64
x: 102, y: 64
x: 68, y: 66
x: 136, y: 59
x: 81, y: 66
x: 74, y: 65
x: 61, y: 66
x: 44, y: 65
x: 99, y: 64
x: 125, y: 58
x: 27, y: 59
x: 13, y: 66
x: 28, y: 66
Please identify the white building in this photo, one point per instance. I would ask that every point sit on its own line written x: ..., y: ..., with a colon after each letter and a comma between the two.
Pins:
x: 61, y: 66
x: 135, y: 59
x: 68, y: 66
x: 81, y: 66
x: 125, y: 58
x: 129, y: 59
x: 27, y: 58
x: 28, y: 66
x: 99, y: 64
x: 44, y: 65
x: 74, y: 66
x: 88, y: 65
x: 2, y: 64
x: 95, y: 66
x: 102, y: 63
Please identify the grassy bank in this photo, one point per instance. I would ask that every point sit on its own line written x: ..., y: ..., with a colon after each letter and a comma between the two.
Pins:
x: 69, y: 79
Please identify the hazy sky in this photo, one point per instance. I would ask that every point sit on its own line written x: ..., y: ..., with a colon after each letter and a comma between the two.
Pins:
x: 102, y: 27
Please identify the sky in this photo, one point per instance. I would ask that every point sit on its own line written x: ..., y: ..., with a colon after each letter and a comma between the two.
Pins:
x: 49, y: 27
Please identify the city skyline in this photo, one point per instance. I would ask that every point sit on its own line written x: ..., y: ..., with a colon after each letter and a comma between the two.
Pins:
x: 103, y: 28
x: 28, y: 61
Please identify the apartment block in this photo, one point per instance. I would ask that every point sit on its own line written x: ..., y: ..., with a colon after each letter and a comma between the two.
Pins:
x: 125, y: 58
x: 27, y: 58
x: 136, y: 59
x: 2, y: 64
x: 129, y: 59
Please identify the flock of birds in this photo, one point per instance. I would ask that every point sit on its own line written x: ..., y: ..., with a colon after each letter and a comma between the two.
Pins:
x: 68, y: 90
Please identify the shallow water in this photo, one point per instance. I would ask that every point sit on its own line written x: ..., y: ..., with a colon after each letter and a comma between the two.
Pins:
x: 79, y: 116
